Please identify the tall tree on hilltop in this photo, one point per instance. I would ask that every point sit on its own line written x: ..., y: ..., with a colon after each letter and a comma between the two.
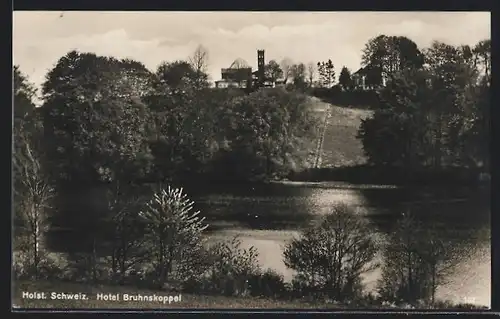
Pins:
x: 273, y: 71
x: 177, y: 74
x: 298, y: 74
x: 482, y: 56
x: 286, y: 65
x: 326, y: 72
x: 384, y: 55
x: 345, y: 79
x: 199, y: 62
x: 311, y: 72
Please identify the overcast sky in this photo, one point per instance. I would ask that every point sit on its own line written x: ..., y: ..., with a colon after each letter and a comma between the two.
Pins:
x: 41, y: 38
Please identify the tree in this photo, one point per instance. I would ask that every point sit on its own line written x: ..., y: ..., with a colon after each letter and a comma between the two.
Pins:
x: 396, y: 134
x: 178, y: 74
x: 32, y: 197
x: 273, y: 71
x: 331, y: 256
x: 415, y: 264
x: 426, y: 114
x: 186, y: 122
x: 298, y: 75
x: 453, y: 77
x: 199, y: 62
x: 345, y: 80
x: 126, y: 234
x: 482, y: 56
x: 95, y: 119
x: 23, y: 93
x: 311, y: 71
x: 286, y: 65
x: 174, y: 233
x: 383, y: 55
x: 326, y: 72
x: 266, y: 133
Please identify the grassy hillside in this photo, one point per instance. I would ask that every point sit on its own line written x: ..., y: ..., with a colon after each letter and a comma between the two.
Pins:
x: 340, y: 147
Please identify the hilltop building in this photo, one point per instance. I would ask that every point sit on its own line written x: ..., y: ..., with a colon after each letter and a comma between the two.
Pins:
x: 359, y: 79
x: 240, y: 75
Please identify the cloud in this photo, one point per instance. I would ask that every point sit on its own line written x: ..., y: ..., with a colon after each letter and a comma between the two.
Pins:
x: 41, y: 38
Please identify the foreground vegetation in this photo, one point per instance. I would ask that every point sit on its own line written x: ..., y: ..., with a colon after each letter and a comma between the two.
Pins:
x: 158, y: 245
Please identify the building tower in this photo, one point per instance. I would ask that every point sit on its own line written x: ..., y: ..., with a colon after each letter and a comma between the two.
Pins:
x: 260, y: 67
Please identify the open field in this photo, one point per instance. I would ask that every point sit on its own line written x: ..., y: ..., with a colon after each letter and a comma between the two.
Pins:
x: 339, y: 145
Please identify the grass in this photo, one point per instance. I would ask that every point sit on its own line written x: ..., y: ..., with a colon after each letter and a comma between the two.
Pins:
x: 340, y: 146
x: 188, y: 301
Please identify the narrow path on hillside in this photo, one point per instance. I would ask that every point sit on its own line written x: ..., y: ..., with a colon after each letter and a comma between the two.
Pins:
x: 337, y: 144
x: 319, y: 146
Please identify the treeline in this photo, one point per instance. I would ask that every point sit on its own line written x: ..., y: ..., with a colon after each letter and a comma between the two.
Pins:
x: 431, y: 105
x: 103, y: 119
x: 433, y: 112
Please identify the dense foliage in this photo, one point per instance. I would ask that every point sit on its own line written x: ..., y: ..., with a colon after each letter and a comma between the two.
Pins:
x: 110, y: 120
x: 433, y: 115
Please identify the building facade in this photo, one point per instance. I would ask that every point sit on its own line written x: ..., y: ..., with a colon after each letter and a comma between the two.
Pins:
x: 240, y: 75
x: 359, y: 79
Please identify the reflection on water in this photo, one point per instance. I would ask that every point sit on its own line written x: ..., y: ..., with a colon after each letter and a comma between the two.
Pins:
x: 461, y: 217
x: 267, y: 216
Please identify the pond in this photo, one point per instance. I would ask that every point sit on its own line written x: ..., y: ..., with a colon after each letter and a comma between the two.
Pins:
x: 266, y: 216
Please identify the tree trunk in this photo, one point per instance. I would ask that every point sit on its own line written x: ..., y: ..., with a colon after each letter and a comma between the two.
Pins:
x: 36, y: 244
x: 433, y: 286
x: 94, y: 260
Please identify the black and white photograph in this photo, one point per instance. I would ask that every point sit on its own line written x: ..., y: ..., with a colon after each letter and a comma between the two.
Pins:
x: 251, y: 160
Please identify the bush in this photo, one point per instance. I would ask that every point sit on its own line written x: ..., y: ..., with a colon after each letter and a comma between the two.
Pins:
x: 85, y: 267
x: 50, y: 266
x: 268, y: 284
x: 173, y: 236
x: 330, y: 256
x: 230, y: 269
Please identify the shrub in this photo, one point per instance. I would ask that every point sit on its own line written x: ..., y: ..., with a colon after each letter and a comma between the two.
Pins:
x: 267, y: 284
x: 50, y: 266
x: 330, y: 256
x: 86, y: 267
x: 173, y: 235
x: 230, y: 269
